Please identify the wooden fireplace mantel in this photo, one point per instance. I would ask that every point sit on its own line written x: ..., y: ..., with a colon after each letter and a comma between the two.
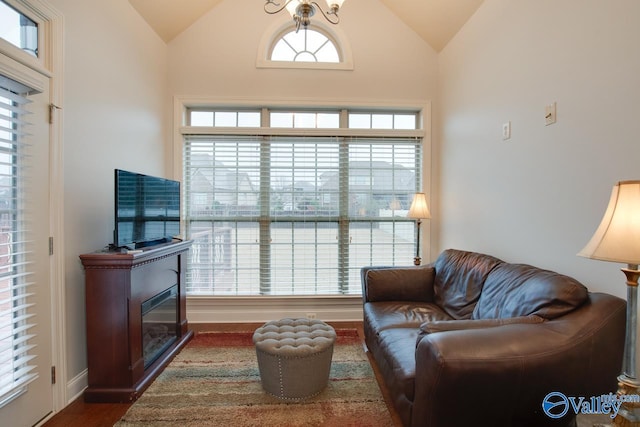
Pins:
x: 116, y: 285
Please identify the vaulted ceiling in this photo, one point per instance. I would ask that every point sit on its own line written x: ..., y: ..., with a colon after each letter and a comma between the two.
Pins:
x: 436, y: 21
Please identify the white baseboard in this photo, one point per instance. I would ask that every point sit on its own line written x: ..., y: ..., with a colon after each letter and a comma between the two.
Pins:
x: 76, y: 385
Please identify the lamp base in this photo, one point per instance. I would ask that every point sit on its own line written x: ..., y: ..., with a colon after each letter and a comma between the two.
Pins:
x: 417, y: 260
x: 626, y: 418
x: 629, y: 413
x: 628, y: 385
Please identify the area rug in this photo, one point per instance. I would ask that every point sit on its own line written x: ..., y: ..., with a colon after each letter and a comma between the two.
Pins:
x: 214, y: 381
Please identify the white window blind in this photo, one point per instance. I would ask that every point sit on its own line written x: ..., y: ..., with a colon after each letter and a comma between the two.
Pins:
x: 296, y: 215
x: 17, y: 367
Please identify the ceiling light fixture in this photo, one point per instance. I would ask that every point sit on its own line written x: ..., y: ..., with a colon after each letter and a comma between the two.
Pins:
x: 303, y: 10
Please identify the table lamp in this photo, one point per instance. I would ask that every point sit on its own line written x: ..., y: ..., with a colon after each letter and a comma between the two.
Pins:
x: 419, y: 211
x: 617, y: 239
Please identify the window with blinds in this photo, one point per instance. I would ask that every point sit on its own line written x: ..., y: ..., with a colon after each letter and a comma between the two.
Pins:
x: 16, y: 321
x: 296, y: 214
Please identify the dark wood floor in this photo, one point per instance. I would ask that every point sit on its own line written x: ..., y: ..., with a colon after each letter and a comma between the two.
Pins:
x: 81, y: 414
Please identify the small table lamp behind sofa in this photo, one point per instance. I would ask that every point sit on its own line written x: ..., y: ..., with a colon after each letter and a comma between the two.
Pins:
x: 419, y: 210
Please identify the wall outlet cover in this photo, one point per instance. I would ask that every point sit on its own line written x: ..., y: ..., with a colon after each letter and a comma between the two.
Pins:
x: 506, y: 130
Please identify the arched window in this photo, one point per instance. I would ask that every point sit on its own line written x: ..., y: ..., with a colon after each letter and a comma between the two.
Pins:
x: 319, y: 47
x: 305, y: 46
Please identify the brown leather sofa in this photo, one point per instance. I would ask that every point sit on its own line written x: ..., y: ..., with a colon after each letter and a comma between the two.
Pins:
x: 471, y: 340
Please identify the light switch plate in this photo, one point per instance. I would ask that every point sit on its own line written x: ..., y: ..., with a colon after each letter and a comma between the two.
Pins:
x: 550, y: 114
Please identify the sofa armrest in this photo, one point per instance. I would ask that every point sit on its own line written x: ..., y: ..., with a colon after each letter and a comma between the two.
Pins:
x: 397, y: 283
x: 504, y: 372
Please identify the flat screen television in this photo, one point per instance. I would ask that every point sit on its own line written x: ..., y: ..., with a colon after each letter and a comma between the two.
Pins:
x: 147, y: 210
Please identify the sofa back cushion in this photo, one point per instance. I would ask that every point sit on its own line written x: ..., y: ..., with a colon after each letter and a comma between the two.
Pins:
x: 513, y: 290
x: 460, y: 276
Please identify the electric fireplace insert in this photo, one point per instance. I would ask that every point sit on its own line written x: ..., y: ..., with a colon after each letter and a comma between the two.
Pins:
x: 159, y: 324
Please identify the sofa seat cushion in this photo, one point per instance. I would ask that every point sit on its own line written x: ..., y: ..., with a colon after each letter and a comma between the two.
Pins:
x: 513, y: 290
x: 460, y: 276
x: 394, y: 314
x: 398, y: 347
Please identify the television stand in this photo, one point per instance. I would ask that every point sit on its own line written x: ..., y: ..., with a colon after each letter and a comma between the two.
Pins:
x: 117, y: 284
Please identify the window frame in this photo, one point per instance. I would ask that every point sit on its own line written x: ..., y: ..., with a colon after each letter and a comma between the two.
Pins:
x: 258, y: 309
x: 279, y: 28
x: 182, y: 104
x: 304, y: 33
x: 34, y: 52
x: 36, y: 11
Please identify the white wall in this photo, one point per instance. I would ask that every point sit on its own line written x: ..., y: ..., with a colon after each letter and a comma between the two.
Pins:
x: 116, y: 108
x: 538, y: 197
x: 216, y: 58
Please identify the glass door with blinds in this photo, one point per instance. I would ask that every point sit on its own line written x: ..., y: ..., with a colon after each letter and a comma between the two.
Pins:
x: 25, y: 295
x: 296, y: 214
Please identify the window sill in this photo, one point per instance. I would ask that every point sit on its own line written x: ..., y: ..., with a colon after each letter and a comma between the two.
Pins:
x: 243, y: 309
x: 338, y: 66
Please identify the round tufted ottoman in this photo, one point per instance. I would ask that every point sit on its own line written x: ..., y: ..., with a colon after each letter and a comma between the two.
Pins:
x: 294, y: 356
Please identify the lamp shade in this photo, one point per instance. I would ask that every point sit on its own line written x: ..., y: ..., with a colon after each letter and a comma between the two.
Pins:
x: 336, y: 2
x: 419, y: 208
x: 617, y: 239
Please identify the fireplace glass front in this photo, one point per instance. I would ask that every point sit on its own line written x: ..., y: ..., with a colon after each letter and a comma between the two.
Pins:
x: 159, y: 324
